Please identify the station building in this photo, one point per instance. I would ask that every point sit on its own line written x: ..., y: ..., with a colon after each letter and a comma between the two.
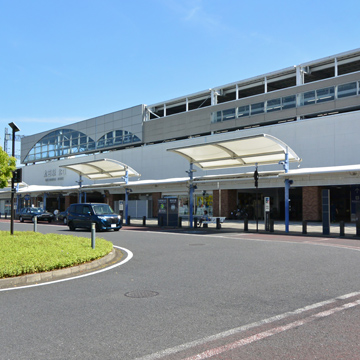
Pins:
x: 313, y: 107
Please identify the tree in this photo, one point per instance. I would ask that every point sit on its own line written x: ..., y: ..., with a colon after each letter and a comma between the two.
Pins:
x: 7, y: 166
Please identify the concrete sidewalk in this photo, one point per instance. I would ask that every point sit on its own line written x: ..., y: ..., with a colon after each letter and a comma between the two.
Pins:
x: 313, y: 228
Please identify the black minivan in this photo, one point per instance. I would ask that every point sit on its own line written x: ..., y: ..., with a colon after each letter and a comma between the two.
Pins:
x: 82, y: 215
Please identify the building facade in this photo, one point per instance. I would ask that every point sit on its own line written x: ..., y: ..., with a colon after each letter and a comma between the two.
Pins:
x: 313, y: 107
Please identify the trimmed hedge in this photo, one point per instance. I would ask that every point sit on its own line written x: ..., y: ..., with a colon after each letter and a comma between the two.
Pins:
x: 30, y: 252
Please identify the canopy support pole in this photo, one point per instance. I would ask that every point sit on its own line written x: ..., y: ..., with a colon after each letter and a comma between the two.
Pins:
x: 287, y: 190
x: 191, y: 196
x: 126, y: 178
x: 80, y: 184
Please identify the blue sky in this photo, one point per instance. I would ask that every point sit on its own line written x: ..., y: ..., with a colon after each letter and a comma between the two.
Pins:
x: 63, y: 61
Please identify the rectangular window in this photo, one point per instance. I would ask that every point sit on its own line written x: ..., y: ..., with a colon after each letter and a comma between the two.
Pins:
x: 347, y: 90
x: 243, y: 111
x: 228, y: 114
x: 273, y: 105
x: 257, y: 108
x: 308, y: 98
x: 118, y: 140
x: 109, y: 139
x: 326, y: 94
x: 216, y: 116
x: 289, y: 102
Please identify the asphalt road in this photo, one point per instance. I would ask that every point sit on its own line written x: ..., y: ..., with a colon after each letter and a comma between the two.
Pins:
x: 194, y: 296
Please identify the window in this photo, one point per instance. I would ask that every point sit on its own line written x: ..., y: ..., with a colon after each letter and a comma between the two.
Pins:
x: 59, y: 143
x: 118, y: 137
x: 273, y: 105
x: 289, y: 102
x: 243, y: 111
x: 347, y: 90
x: 308, y: 98
x: 109, y: 139
x: 216, y: 116
x: 86, y: 209
x: 326, y: 94
x: 228, y: 114
x: 257, y: 108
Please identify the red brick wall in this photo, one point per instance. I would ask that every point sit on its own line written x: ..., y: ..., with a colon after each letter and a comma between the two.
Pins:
x: 110, y: 200
x: 155, y: 198
x: 311, y: 196
x: 228, y: 202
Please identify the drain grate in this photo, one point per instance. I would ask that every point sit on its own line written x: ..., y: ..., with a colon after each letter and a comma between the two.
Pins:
x: 141, y: 294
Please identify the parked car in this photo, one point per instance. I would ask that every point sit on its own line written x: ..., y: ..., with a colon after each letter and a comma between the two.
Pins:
x: 82, y: 215
x: 63, y: 216
x: 29, y: 213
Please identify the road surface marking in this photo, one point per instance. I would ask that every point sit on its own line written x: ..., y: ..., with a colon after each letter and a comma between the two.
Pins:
x: 192, y: 344
x: 276, y: 330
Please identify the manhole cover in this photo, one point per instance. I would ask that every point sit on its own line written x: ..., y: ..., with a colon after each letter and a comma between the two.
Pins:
x: 141, y: 294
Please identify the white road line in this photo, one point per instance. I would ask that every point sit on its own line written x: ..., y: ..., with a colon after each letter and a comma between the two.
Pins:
x: 128, y: 258
x: 240, y: 329
x: 237, y: 344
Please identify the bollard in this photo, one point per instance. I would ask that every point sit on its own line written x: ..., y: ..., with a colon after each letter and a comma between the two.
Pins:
x: 93, y: 232
x: 180, y: 222
x: 35, y: 223
x: 144, y: 220
x: 218, y: 225
x: 5, y: 215
x: 358, y: 228
x: 342, y: 228
x: 271, y: 225
x: 128, y: 220
x: 161, y: 221
x: 304, y: 227
x: 195, y: 222
x: 246, y: 225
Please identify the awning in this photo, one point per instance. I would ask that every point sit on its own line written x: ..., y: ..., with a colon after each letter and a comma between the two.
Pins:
x: 102, y: 169
x: 260, y: 149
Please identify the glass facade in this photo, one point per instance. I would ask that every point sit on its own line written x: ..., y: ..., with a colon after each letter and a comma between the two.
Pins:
x: 117, y: 137
x: 66, y: 142
x: 288, y: 102
x: 60, y: 143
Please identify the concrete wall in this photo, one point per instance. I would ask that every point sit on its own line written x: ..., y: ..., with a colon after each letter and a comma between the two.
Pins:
x: 324, y: 141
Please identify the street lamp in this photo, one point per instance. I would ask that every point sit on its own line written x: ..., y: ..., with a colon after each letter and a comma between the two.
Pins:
x: 14, y: 130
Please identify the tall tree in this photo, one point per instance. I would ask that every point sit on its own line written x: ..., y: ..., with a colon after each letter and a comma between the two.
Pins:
x: 7, y: 166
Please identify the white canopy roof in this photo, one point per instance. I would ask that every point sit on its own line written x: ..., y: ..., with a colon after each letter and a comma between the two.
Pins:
x: 261, y: 149
x: 102, y: 169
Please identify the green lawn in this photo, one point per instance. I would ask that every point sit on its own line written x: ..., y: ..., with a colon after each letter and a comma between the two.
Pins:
x: 30, y: 252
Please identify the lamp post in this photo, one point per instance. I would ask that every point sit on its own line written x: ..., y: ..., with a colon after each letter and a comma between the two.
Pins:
x: 15, y: 129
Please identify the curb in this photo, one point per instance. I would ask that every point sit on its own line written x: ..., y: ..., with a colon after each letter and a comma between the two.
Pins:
x: 30, y: 279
